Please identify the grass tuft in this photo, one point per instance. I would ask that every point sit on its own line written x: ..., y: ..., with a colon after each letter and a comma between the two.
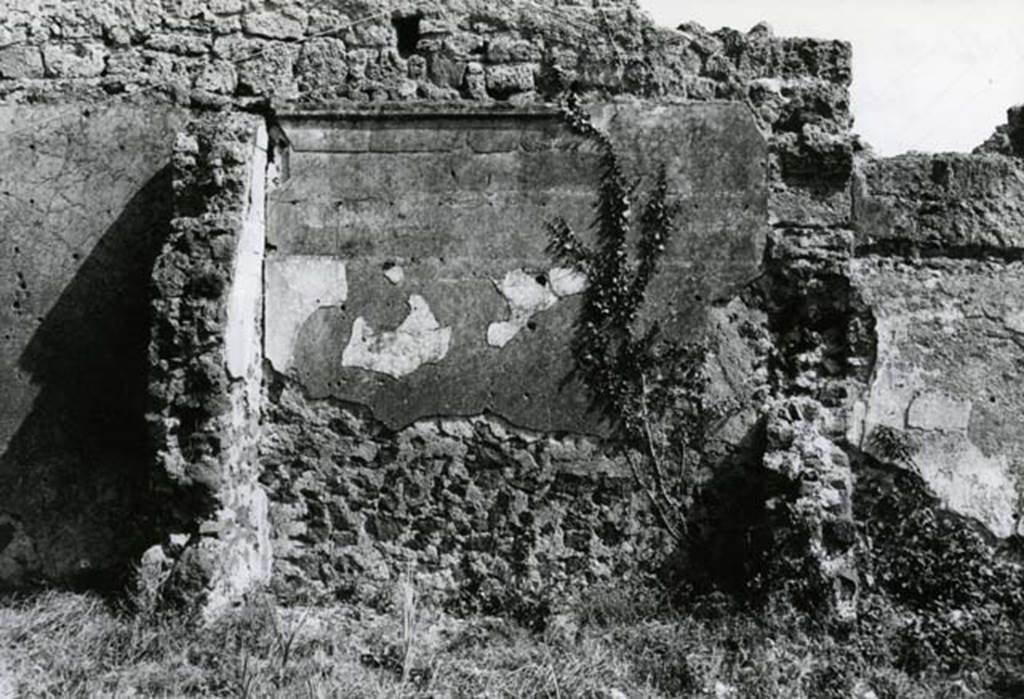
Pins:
x: 625, y: 643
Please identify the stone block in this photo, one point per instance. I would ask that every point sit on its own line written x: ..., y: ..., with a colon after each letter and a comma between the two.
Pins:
x: 180, y: 43
x: 506, y: 80
x: 74, y: 60
x: 226, y: 7
x: 941, y: 202
x: 219, y: 77
x: 290, y: 24
x: 322, y: 68
x: 268, y: 68
x: 21, y: 62
x: 510, y: 50
x: 446, y: 71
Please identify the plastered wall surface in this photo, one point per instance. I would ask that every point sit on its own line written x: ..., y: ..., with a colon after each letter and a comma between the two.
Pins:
x: 410, y: 272
x: 84, y: 210
x: 948, y: 326
x: 949, y: 353
x: 210, y: 56
x: 413, y: 326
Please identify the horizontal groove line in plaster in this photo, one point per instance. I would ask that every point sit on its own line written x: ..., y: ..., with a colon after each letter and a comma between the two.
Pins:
x: 412, y: 111
x: 908, y: 250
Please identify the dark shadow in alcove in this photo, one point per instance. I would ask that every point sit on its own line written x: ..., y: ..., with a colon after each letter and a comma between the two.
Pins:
x: 76, y: 472
x: 407, y: 30
x: 727, y: 524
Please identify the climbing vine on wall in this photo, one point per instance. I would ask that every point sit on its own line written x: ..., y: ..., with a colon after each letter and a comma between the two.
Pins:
x: 649, y: 387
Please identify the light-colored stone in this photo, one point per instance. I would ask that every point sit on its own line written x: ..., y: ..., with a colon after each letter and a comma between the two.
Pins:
x: 218, y: 76
x: 21, y: 62
x: 504, y: 80
x: 76, y: 60
x: 275, y: 25
x: 226, y: 7
x: 938, y: 411
x: 394, y: 274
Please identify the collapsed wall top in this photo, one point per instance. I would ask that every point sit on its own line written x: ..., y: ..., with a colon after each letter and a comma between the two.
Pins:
x: 214, y: 54
x: 209, y: 51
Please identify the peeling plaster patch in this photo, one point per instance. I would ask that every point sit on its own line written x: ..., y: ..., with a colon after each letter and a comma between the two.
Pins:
x: 567, y: 282
x: 243, y: 547
x: 529, y: 294
x: 938, y: 411
x: 1014, y: 321
x: 956, y: 470
x: 394, y: 273
x: 296, y: 286
x: 241, y: 337
x: 895, y: 385
x: 969, y: 482
x: 419, y: 340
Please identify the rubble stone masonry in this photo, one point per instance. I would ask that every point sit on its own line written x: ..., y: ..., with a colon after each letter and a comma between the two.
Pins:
x: 276, y: 306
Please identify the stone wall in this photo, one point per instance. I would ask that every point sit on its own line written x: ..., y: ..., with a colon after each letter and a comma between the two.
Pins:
x: 856, y: 298
x: 206, y: 361
x: 409, y: 274
x: 939, y: 268
x: 225, y: 56
x: 221, y: 53
x: 486, y: 513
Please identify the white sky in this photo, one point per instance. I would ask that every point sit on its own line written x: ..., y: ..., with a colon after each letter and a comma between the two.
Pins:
x: 928, y: 75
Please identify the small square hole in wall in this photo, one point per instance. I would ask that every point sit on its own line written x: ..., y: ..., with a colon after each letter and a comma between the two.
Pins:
x: 408, y: 30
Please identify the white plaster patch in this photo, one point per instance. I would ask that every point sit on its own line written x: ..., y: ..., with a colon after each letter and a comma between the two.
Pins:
x: 419, y: 340
x: 296, y: 286
x: 241, y: 337
x: 529, y: 294
x: 395, y: 274
x: 955, y: 469
x: 242, y: 548
x: 1014, y: 321
x: 969, y: 482
x: 565, y: 281
x: 938, y: 411
x: 895, y: 384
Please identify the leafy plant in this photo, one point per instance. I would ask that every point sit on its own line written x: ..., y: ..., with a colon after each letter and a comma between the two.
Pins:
x: 958, y: 598
x: 892, y: 445
x: 649, y: 387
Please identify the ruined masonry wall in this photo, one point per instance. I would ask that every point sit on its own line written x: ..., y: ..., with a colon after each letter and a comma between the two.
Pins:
x: 194, y: 56
x: 221, y: 53
x: 888, y: 297
x: 939, y: 240
x: 401, y: 234
x: 206, y: 346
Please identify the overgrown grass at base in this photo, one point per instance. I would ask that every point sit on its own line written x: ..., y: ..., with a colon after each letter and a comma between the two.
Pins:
x: 614, y: 643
